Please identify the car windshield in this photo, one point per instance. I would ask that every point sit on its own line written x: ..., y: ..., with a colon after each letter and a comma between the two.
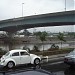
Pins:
x: 7, y: 53
x: 72, y: 53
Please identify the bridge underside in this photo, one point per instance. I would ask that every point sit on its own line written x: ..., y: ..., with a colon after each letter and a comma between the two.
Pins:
x: 13, y: 29
x: 44, y: 20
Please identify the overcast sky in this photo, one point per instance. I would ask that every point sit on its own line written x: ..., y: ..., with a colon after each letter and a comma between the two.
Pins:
x: 13, y: 8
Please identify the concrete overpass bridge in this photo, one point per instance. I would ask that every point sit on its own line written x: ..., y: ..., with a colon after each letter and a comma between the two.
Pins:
x: 51, y: 19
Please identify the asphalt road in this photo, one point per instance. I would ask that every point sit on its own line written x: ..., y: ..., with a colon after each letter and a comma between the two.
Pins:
x: 57, y: 68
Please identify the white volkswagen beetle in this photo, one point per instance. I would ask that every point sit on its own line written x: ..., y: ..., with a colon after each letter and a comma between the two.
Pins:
x: 16, y: 57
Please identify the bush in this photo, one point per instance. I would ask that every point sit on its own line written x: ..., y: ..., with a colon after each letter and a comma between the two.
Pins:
x: 35, y: 48
x: 53, y: 47
x: 2, y: 52
x: 46, y: 53
x: 57, y: 47
x: 27, y: 49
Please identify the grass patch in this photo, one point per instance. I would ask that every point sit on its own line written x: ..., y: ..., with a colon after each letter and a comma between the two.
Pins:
x: 54, y: 52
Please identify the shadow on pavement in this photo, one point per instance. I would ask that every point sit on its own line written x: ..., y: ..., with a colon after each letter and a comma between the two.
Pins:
x: 70, y: 71
x: 25, y: 70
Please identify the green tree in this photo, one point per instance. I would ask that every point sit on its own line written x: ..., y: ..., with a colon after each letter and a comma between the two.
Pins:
x: 26, y: 32
x: 61, y: 38
x: 71, y: 34
x: 42, y: 37
x: 37, y: 33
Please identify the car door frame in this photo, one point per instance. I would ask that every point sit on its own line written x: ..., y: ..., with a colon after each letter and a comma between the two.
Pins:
x: 16, y: 58
x: 25, y: 59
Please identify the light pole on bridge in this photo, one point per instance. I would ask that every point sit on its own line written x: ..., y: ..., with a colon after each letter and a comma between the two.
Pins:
x: 65, y: 5
x: 22, y: 9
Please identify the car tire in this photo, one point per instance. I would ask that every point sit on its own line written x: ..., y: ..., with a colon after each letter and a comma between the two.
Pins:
x: 10, y: 64
x: 37, y: 61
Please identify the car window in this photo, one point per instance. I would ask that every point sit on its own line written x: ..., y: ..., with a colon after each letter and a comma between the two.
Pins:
x: 72, y: 53
x: 15, y: 54
x: 24, y: 53
x: 7, y: 53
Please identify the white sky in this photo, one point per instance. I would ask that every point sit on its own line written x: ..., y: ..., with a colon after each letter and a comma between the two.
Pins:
x: 54, y: 29
x: 13, y: 9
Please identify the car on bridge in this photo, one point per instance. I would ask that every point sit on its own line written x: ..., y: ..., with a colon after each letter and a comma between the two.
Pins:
x: 18, y: 57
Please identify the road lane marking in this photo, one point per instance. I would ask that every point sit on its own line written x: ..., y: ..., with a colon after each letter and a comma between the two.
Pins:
x: 56, y: 63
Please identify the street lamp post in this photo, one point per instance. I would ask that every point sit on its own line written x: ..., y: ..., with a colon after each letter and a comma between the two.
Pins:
x: 22, y: 9
x: 65, y: 5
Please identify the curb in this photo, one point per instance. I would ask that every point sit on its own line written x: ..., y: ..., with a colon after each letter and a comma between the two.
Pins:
x: 53, y: 56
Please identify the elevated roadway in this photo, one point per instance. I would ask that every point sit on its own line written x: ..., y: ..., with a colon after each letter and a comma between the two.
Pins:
x: 51, y: 19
